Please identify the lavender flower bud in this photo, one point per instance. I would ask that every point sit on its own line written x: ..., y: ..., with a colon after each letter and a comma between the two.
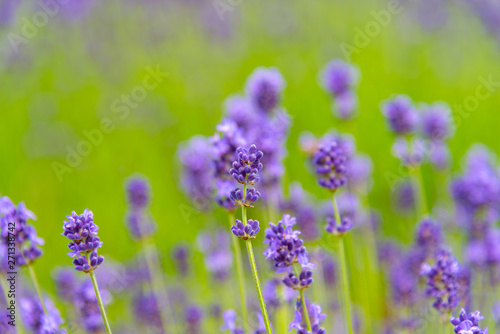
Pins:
x: 330, y: 166
x: 264, y: 88
x: 299, y: 283
x: 468, y: 324
x: 436, y: 121
x: 245, y: 232
x: 338, y: 229
x: 238, y: 199
x: 400, y: 114
x: 138, y: 192
x: 246, y: 169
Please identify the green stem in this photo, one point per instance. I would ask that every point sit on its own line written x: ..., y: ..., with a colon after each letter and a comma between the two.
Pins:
x: 99, y: 301
x: 419, y: 185
x: 306, y: 312
x: 262, y: 303
x: 343, y: 268
x: 241, y: 277
x: 283, y: 317
x: 37, y: 286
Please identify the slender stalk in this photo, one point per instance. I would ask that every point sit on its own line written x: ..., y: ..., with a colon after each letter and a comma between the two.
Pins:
x: 343, y: 268
x: 283, y: 317
x: 262, y: 303
x: 37, y: 286
x: 306, y: 312
x: 241, y: 277
x: 99, y: 301
x: 419, y: 185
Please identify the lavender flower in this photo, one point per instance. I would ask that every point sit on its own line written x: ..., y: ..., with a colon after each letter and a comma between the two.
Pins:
x: 284, y: 245
x: 300, y: 204
x: 338, y: 229
x: 436, y: 121
x: 468, y: 324
x: 36, y: 320
x: 401, y: 115
x: 339, y: 79
x: 180, y: 256
x: 442, y: 282
x: 138, y: 219
x: 404, y: 197
x: 245, y: 232
x: 440, y: 156
x: 215, y: 248
x: 138, y: 192
x: 330, y: 166
x: 229, y: 317
x: 315, y: 316
x: 193, y: 316
x: 264, y: 88
x: 238, y: 199
x: 429, y: 236
x: 223, y: 195
x: 246, y: 168
x: 299, y: 283
x: 147, y: 310
x: 82, y: 232
x: 196, y: 158
x: 65, y: 281
x: 86, y: 304
x: 411, y: 153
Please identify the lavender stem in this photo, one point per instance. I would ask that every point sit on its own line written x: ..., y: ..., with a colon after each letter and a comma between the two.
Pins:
x: 419, y: 185
x: 99, y: 301
x: 37, y: 286
x: 241, y: 277
x: 343, y: 268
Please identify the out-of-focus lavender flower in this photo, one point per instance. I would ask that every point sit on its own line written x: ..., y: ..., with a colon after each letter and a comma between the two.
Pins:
x: 65, y: 281
x: 229, y: 317
x: 196, y: 157
x: 264, y: 88
x: 301, y: 205
x: 8, y: 10
x: 246, y: 168
x: 215, y: 248
x: 401, y: 115
x: 478, y: 189
x: 36, y: 320
x: 82, y: 232
x: 315, y: 316
x: 484, y: 252
x: 330, y: 161
x: 412, y: 152
x: 404, y: 284
x: 389, y: 252
x: 468, y: 324
x: 436, y: 121
x: 271, y: 294
x: 442, y: 282
x: 245, y: 232
x: 180, y: 256
x: 85, y: 302
x: 223, y: 195
x: 299, y: 283
x: 429, y: 236
x: 284, y: 245
x: 340, y: 79
x: 138, y: 192
x: 146, y: 309
x: 404, y: 197
x: 359, y: 173
x: 193, y: 316
x: 338, y: 229
x: 140, y: 224
x: 440, y: 156
x: 241, y: 111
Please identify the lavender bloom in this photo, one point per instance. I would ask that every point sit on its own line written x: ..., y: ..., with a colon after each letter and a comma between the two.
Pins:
x: 301, y: 205
x: 65, y: 281
x: 330, y: 166
x: 285, y: 247
x: 146, y: 308
x: 484, y: 252
x: 315, y: 316
x: 238, y: 199
x: 404, y: 197
x: 270, y: 293
x: 436, y: 122
x: 224, y: 145
x: 468, y: 324
x: 193, y: 316
x: 299, y: 283
x: 404, y: 285
x: 218, y: 260
x: 140, y: 224
x: 245, y: 232
x: 339, y: 79
x: 440, y: 156
x: 229, y: 317
x: 246, y: 168
x: 8, y: 10
x: 82, y: 232
x: 429, y: 236
x: 196, y: 158
x: 400, y: 114
x: 138, y: 192
x: 241, y: 111
x: 337, y: 229
x: 86, y: 304
x: 223, y: 195
x: 35, y: 319
x: 442, y: 282
x: 180, y: 256
x: 264, y: 88
x: 411, y: 153
x: 359, y: 173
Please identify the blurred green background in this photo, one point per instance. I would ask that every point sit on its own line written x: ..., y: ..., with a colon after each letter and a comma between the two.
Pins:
x: 63, y: 81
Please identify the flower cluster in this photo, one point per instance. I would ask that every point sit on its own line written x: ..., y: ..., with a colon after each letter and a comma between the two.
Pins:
x: 245, y: 232
x: 284, y: 245
x: 330, y: 166
x: 468, y: 324
x: 246, y: 168
x: 229, y: 317
x: 339, y: 79
x: 264, y: 88
x: 82, y: 232
x: 139, y: 221
x: 338, y: 229
x: 14, y: 228
x: 442, y: 281
x: 299, y: 283
x: 36, y: 320
x: 401, y: 115
x: 315, y: 316
x: 217, y: 256
x: 238, y: 199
